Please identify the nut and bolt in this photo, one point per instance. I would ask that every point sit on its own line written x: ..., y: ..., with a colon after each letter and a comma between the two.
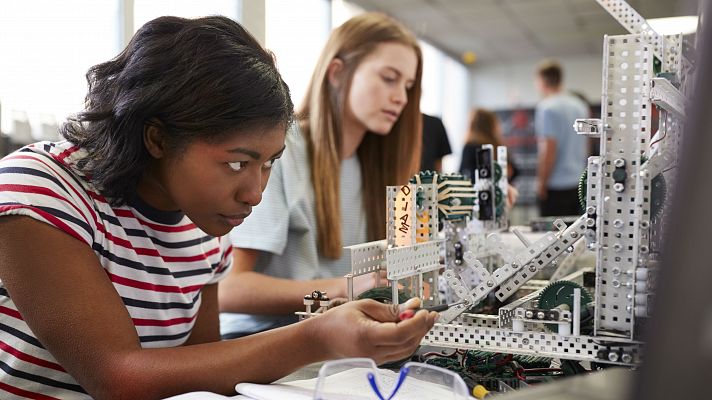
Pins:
x: 613, y: 356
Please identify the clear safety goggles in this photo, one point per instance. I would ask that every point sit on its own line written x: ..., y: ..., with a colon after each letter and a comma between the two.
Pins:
x: 360, y: 379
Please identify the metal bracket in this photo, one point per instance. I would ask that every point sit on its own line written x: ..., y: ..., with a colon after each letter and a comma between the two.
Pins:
x: 590, y: 127
x: 665, y: 95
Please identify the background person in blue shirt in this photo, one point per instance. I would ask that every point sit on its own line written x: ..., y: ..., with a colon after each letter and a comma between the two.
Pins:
x: 561, y: 152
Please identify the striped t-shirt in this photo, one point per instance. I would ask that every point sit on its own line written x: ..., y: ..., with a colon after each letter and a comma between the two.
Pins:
x: 157, y: 261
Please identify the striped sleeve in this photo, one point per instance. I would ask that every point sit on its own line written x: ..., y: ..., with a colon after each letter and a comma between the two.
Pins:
x: 38, y: 185
x: 225, y: 263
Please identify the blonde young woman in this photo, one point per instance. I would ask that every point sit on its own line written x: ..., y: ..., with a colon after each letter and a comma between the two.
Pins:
x: 357, y: 132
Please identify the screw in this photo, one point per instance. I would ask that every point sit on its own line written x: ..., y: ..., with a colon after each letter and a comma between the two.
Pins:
x: 618, y: 187
x: 619, y: 162
x: 613, y: 356
x: 618, y: 223
x: 617, y: 247
x: 616, y: 271
x: 643, y: 249
x: 644, y: 224
x: 540, y: 315
x: 616, y: 284
x: 574, y: 235
x: 532, y: 268
x: 529, y: 314
x: 490, y: 283
x: 590, y: 210
x: 626, y: 358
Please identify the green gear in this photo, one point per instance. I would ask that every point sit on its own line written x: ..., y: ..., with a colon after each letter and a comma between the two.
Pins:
x: 497, y: 172
x: 498, y: 201
x: 450, y: 181
x: 657, y: 195
x: 582, y: 188
x: 425, y: 177
x: 658, y: 191
x: 559, y: 293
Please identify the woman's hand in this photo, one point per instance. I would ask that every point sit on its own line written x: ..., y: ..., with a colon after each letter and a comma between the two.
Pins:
x: 367, y: 328
x: 512, y: 195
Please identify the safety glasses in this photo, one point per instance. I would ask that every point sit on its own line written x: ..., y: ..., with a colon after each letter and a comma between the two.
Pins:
x: 360, y: 379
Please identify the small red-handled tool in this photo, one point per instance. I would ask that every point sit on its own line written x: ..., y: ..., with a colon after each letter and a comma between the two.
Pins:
x: 410, y: 312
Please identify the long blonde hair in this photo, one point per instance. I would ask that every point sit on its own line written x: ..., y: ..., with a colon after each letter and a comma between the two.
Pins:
x: 385, y: 160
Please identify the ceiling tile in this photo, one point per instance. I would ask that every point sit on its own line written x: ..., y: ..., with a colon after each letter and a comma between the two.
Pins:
x: 514, y: 30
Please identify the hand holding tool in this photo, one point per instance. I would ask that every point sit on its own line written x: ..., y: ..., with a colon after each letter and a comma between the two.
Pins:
x: 410, y: 312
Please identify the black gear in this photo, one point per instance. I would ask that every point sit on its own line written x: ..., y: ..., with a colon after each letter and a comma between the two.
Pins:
x: 562, y: 292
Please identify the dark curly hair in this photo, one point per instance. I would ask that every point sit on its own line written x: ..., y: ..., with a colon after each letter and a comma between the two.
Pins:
x: 196, y: 78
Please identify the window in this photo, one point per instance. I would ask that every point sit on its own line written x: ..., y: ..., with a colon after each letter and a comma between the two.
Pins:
x: 146, y: 10
x: 296, y: 33
x: 445, y: 94
x: 46, y: 48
